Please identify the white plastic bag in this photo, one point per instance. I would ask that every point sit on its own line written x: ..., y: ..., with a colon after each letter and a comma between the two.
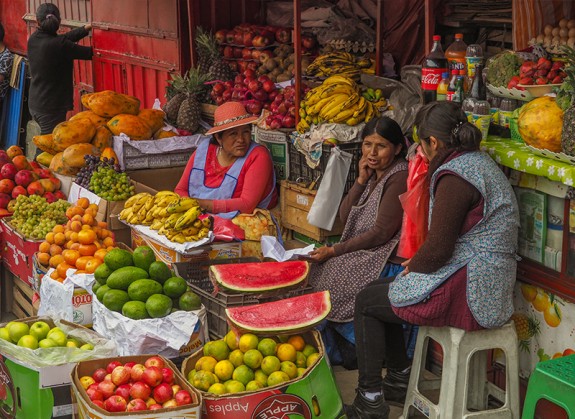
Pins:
x: 56, y: 298
x: 326, y: 203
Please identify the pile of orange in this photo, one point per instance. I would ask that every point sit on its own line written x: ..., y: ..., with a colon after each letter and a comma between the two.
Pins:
x: 80, y: 244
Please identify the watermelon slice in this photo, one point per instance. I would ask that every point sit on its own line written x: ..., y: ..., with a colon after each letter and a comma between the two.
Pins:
x: 292, y: 315
x: 259, y: 276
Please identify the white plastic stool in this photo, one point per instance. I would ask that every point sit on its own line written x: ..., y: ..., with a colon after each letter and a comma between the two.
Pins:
x: 464, y: 378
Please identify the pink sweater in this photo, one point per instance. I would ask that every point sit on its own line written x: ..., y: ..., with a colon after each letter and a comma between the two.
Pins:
x: 254, y: 182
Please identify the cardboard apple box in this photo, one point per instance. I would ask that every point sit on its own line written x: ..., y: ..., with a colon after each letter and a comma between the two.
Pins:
x: 313, y: 395
x: 87, y: 410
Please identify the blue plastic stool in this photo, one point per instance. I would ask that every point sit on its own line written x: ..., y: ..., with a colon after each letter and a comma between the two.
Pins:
x: 553, y: 380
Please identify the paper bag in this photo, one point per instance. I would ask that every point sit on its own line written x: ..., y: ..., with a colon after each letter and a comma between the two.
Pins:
x: 326, y: 203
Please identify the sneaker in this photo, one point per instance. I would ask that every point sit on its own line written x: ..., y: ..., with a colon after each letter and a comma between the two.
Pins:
x: 363, y: 408
x: 395, y: 385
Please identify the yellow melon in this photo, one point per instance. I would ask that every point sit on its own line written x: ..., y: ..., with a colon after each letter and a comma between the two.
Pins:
x: 131, y: 125
x: 73, y: 156
x: 540, y: 123
x: 73, y: 132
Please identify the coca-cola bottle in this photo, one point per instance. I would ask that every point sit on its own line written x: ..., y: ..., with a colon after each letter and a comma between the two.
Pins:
x: 433, y: 66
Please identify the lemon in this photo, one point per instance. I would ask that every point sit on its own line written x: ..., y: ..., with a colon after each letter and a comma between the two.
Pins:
x: 232, y: 340
x: 267, y: 347
x: 289, y: 368
x: 224, y: 370
x: 236, y: 358
x: 248, y: 341
x: 243, y: 374
x: 312, y: 358
x: 277, y: 377
x: 286, y: 352
x: 270, y: 364
x: 253, y: 359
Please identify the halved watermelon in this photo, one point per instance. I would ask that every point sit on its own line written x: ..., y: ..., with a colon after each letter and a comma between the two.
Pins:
x: 259, y: 276
x: 288, y: 315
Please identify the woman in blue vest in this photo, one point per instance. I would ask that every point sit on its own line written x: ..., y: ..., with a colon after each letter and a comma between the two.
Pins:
x: 463, y: 274
x: 229, y: 174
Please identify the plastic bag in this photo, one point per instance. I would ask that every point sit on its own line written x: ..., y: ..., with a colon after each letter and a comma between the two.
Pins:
x: 56, y: 298
x: 326, y: 203
x: 415, y: 203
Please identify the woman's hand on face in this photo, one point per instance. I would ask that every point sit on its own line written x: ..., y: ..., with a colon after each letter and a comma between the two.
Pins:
x: 364, y: 171
x: 322, y: 254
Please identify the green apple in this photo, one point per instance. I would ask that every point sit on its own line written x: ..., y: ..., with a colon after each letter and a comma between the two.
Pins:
x: 47, y: 343
x: 40, y: 330
x: 28, y: 341
x: 4, y: 334
x: 17, y: 330
x: 71, y: 344
x: 87, y: 347
x: 59, y: 338
x: 54, y: 329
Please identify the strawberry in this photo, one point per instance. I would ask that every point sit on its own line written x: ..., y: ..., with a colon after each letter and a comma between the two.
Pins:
x: 541, y: 80
x: 557, y: 65
x: 526, y: 80
x: 557, y: 80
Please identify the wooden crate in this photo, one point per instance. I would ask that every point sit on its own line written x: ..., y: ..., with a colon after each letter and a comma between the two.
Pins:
x: 208, y: 112
x: 296, y: 202
x: 19, y: 296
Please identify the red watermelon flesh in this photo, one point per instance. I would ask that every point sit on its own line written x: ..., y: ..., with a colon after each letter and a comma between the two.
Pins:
x: 259, y: 276
x: 291, y: 314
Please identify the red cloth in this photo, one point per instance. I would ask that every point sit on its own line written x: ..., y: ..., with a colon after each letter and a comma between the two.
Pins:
x: 254, y: 182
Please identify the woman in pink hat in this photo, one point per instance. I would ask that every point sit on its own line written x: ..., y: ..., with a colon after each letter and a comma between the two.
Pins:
x: 229, y: 174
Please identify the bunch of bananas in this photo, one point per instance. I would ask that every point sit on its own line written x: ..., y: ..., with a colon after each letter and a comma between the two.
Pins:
x: 172, y: 216
x: 340, y: 63
x: 337, y: 100
x: 375, y: 96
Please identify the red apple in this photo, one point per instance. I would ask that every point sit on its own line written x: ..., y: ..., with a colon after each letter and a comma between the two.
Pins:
x: 221, y: 36
x: 136, y: 405
x: 283, y: 35
x: 176, y: 388
x: 152, y: 376
x: 129, y: 364
x: 121, y: 375
x: 238, y: 52
x: 254, y: 85
x: 247, y: 39
x: 93, y: 386
x: 288, y: 121
x: 107, y: 388
x: 230, y: 37
x: 168, y: 375
x: 218, y: 88
x: 136, y: 372
x: 150, y: 401
x: 163, y: 392
x: 228, y: 52
x: 269, y: 86
x: 115, y: 404
x: 261, y: 41
x: 170, y: 404
x: 8, y: 171
x: 99, y: 375
x: 246, y: 54
x: 124, y: 391
x: 140, y: 390
x: 227, y: 95
x: 94, y: 394
x: 183, y: 397
x: 261, y: 95
x: 238, y: 38
x: 155, y: 407
x: 276, y: 124
x: 110, y: 367
x: 308, y: 42
x: 256, y: 54
x: 99, y: 403
x: 154, y: 361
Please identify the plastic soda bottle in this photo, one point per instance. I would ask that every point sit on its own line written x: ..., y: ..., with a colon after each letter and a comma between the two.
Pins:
x: 482, y: 117
x: 451, y: 86
x: 442, y: 87
x: 456, y: 52
x: 506, y: 108
x: 433, y: 66
x: 473, y: 56
x: 459, y: 93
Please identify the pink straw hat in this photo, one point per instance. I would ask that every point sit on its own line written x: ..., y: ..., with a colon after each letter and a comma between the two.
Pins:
x: 230, y: 115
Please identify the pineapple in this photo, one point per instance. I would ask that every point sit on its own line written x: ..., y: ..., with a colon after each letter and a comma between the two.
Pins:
x: 526, y: 327
x: 189, y: 112
x: 209, y: 58
x: 175, y: 93
x: 566, y: 100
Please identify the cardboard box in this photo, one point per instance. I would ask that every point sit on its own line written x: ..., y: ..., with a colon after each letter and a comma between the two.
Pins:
x: 88, y: 410
x: 277, y: 143
x: 296, y: 201
x: 17, y: 252
x: 169, y: 256
x: 108, y: 211
x: 164, y: 179
x: 38, y: 392
x: 313, y: 395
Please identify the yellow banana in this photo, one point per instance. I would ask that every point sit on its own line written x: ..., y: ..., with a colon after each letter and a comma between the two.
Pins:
x: 182, y: 205
x: 133, y: 219
x: 193, y: 238
x: 203, y: 233
x: 157, y: 224
x: 197, y: 223
x: 353, y: 99
x: 188, y: 218
x: 162, y: 194
x: 356, y: 120
x: 171, y: 220
x: 369, y: 111
x: 361, y: 105
x: 334, y: 89
x: 302, y: 126
x: 190, y: 231
x: 314, y: 110
x: 134, y: 198
x: 337, y: 79
x: 125, y: 213
x: 166, y: 200
x: 207, y: 222
x: 150, y: 203
x: 162, y: 231
x: 343, y: 115
x: 332, y: 108
x: 178, y: 238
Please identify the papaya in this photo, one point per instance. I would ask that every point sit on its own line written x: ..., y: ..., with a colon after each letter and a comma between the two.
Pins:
x: 162, y: 133
x: 153, y: 117
x: 73, y: 156
x: 103, y: 138
x: 44, y: 158
x: 109, y: 153
x: 131, y: 125
x: 57, y: 166
x: 85, y: 99
x: 68, y: 133
x: 96, y: 119
x: 45, y: 143
x: 109, y: 104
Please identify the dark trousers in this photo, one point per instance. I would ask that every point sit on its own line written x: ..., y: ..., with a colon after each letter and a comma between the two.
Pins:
x: 379, y: 336
x: 48, y: 121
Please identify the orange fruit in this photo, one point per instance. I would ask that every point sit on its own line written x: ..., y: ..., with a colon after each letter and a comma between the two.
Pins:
x: 88, y: 219
x: 54, y: 275
x: 81, y: 271
x: 62, y: 268
x: 98, y: 245
x: 68, y: 234
x: 58, y: 229
x: 76, y: 225
x: 93, y: 264
x: 78, y: 217
x: 56, y: 260
x: 102, y: 224
x: 70, y: 256
x: 44, y: 247
x: 75, y: 246
x: 43, y: 258
x: 83, y: 203
x: 55, y: 250
x: 87, y: 249
x: 100, y: 254
x: 74, y: 236
x: 69, y: 244
x: 82, y: 261
x: 286, y: 352
x: 59, y: 239
x: 297, y: 342
x: 86, y: 236
x: 109, y: 242
x: 50, y: 237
